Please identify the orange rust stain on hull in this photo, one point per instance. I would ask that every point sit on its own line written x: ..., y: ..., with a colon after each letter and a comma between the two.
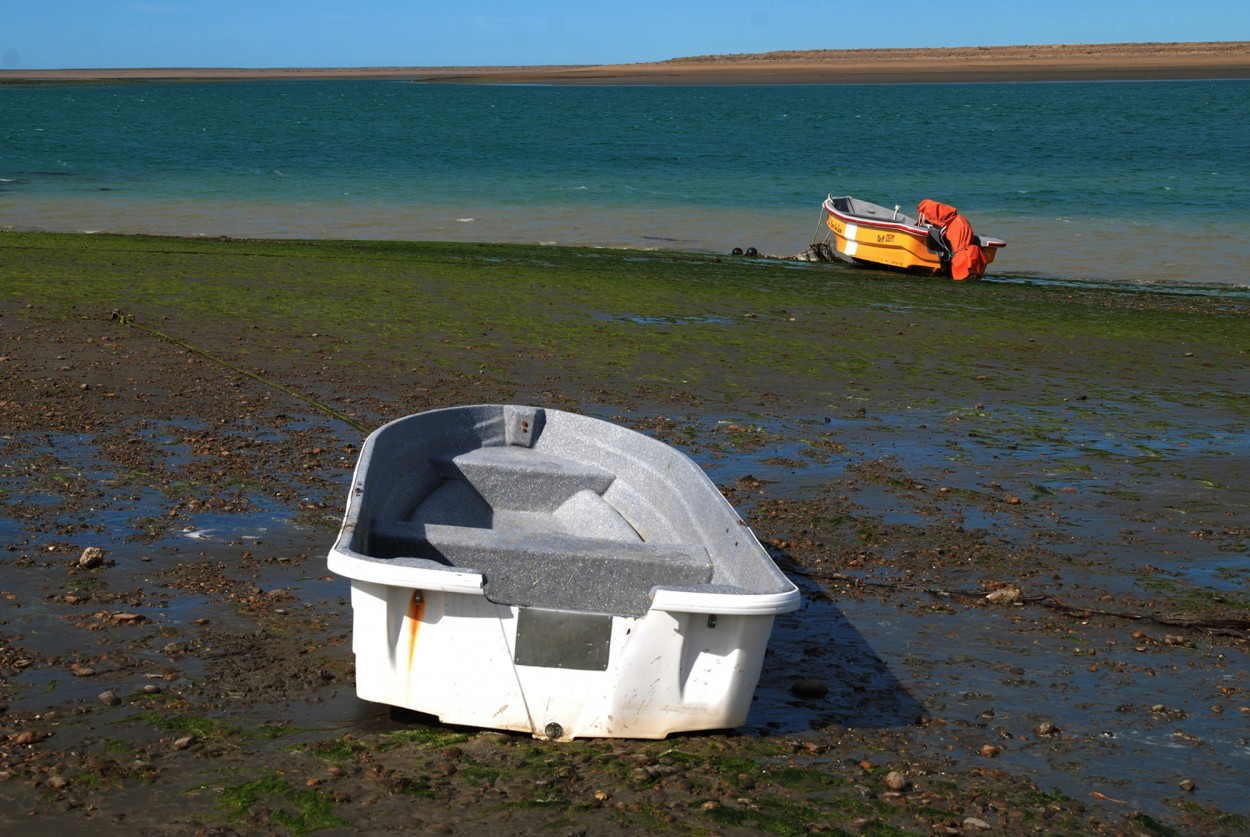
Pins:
x: 416, y: 609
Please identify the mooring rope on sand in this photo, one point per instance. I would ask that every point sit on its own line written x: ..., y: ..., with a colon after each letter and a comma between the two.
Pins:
x: 1232, y: 627
x: 128, y: 320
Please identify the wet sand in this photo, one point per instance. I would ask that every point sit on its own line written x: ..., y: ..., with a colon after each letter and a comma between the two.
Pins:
x: 1057, y: 62
x: 1022, y: 555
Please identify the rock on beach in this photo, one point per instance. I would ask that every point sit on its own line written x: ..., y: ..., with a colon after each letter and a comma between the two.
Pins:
x: 91, y: 558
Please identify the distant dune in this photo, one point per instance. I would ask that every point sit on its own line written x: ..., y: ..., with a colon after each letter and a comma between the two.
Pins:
x: 1055, y: 62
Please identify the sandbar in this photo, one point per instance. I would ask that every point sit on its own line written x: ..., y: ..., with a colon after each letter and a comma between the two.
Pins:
x: 1051, y: 62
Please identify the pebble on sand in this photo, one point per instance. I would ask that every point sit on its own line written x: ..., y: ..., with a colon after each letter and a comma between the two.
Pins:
x: 896, y: 781
x: 1009, y: 594
x: 91, y: 558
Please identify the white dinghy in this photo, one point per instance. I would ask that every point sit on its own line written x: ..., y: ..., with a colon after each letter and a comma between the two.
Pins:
x: 531, y: 569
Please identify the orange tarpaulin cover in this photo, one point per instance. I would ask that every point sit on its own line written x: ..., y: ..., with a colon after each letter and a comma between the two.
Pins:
x: 966, y: 256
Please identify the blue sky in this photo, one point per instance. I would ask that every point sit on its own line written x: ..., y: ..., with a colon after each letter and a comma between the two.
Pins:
x: 47, y: 34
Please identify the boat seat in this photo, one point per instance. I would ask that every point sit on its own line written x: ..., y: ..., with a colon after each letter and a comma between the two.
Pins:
x: 549, y: 570
x: 512, y: 477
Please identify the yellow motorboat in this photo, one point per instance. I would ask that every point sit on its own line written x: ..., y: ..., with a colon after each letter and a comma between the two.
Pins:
x: 866, y: 234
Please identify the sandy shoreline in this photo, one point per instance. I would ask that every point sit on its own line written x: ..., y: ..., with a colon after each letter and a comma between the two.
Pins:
x: 1056, y: 62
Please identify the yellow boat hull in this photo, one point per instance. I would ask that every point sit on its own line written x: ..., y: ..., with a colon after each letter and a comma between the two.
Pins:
x: 895, y: 242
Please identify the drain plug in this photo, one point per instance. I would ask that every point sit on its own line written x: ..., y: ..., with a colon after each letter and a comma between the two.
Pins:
x: 553, y: 731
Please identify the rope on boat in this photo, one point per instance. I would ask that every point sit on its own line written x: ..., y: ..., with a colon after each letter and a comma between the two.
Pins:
x: 128, y: 320
x: 1233, y: 627
x: 819, y: 224
x: 819, y: 250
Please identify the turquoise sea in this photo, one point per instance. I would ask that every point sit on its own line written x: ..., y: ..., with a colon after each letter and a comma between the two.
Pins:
x: 1106, y: 181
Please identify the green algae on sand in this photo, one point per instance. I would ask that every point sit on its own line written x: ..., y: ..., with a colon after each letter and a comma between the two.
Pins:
x: 659, y: 324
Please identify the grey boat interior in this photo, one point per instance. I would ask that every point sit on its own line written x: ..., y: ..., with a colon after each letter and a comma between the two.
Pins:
x: 554, y: 510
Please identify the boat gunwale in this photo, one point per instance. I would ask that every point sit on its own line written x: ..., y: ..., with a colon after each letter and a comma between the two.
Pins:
x: 921, y: 233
